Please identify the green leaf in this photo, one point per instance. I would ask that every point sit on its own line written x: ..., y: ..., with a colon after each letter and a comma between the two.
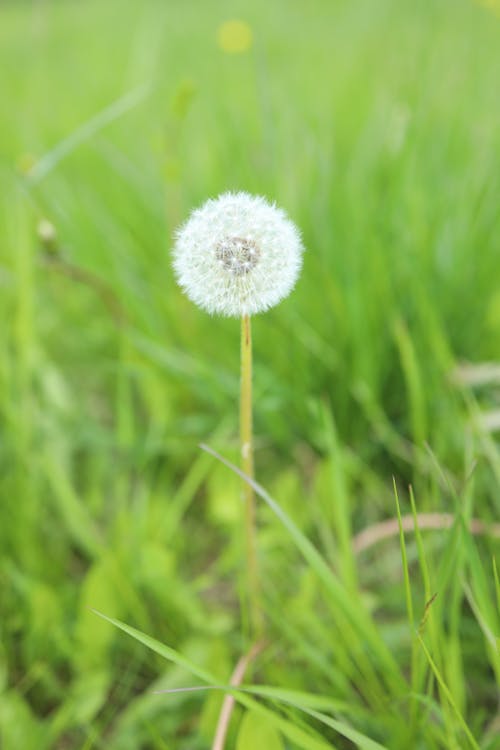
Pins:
x: 300, y: 737
x: 356, y: 625
x: 224, y: 497
x: 449, y: 696
x: 303, y: 701
x: 3, y: 668
x: 93, y: 638
x: 413, y: 379
x: 18, y: 726
x: 88, y: 695
x: 258, y: 732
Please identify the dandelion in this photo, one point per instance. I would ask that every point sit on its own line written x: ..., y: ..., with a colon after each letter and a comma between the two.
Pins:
x: 235, y: 256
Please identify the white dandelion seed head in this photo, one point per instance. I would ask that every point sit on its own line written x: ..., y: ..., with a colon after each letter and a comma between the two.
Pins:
x: 237, y: 255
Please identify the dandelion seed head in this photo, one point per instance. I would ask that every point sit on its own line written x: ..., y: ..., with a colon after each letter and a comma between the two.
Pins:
x: 237, y: 255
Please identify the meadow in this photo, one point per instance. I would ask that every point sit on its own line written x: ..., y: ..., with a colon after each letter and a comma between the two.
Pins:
x: 376, y: 383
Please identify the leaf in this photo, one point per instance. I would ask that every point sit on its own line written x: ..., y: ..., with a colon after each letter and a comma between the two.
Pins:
x: 87, y: 130
x: 256, y: 732
x: 88, y: 695
x: 356, y: 623
x: 93, y: 638
x: 448, y: 695
x: 3, y: 668
x: 413, y: 379
x: 224, y: 497
x: 18, y: 726
x: 156, y: 566
x: 302, y: 738
x: 301, y: 701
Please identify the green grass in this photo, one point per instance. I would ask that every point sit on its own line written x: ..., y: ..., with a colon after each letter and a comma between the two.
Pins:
x: 376, y: 126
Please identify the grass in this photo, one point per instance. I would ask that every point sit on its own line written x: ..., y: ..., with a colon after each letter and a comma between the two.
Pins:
x: 376, y: 126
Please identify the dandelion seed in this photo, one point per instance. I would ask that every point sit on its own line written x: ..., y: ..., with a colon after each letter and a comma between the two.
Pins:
x: 237, y: 255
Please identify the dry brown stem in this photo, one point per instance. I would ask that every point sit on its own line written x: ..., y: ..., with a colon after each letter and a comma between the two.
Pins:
x: 437, y: 521
x: 229, y: 702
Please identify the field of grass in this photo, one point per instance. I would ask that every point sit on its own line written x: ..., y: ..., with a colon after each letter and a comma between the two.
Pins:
x: 376, y: 126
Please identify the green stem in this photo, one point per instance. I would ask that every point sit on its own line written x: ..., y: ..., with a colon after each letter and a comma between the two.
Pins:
x: 246, y: 442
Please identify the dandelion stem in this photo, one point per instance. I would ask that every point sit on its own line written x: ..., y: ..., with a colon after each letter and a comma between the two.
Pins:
x: 246, y: 442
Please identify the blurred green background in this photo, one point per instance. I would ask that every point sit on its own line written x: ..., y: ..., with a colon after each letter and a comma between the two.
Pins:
x: 376, y: 126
